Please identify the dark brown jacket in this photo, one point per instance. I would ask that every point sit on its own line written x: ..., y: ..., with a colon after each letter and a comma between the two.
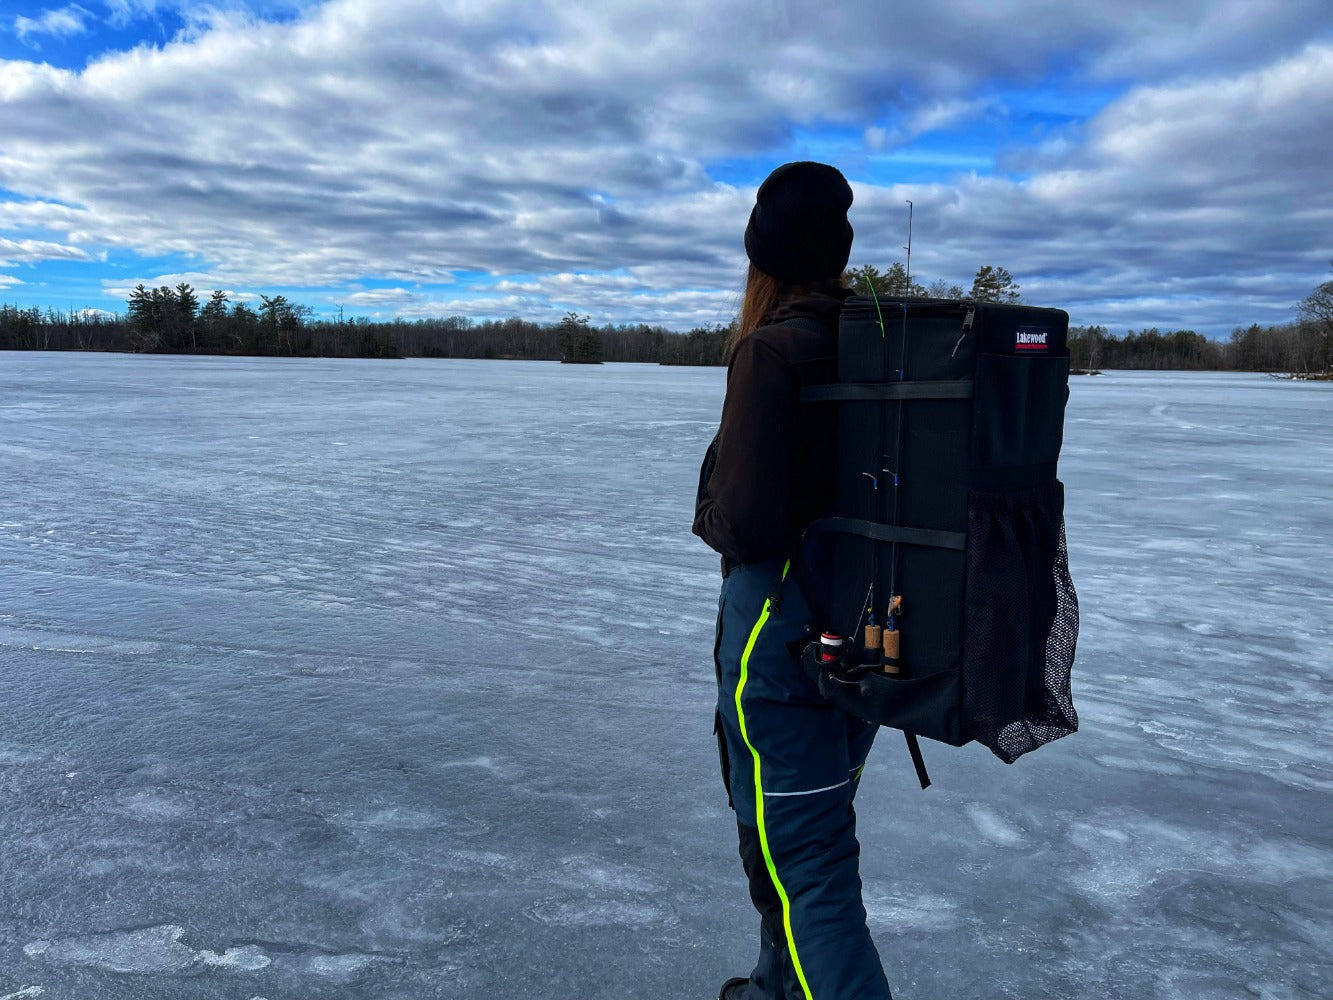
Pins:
x: 772, y: 466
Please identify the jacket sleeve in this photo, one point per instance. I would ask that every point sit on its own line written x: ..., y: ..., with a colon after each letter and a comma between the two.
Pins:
x: 742, y: 511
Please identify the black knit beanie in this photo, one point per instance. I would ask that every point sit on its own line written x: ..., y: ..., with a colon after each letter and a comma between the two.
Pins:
x: 798, y: 229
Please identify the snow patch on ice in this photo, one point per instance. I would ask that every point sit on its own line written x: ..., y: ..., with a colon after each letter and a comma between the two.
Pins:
x: 153, y: 804
x: 895, y: 913
x: 993, y: 827
x: 42, y: 640
x: 585, y: 871
x: 578, y: 911
x: 393, y: 818
x: 485, y: 762
x: 144, y: 950
x: 339, y: 966
x: 247, y: 958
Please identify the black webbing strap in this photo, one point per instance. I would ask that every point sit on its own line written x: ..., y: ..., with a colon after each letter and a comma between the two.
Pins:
x: 918, y: 762
x: 891, y: 533
x: 858, y: 392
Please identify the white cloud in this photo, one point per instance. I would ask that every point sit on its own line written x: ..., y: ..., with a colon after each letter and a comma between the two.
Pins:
x: 931, y: 117
x: 15, y: 215
x: 8, y: 281
x: 31, y: 251
x: 942, y: 114
x: 383, y: 297
x: 60, y: 23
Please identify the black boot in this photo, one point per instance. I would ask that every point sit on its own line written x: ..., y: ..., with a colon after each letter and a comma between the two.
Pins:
x: 734, y: 989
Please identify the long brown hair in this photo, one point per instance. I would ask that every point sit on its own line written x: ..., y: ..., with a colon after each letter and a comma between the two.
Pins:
x: 763, y: 294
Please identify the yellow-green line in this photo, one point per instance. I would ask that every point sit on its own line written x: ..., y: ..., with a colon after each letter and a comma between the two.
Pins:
x: 759, y: 791
x: 878, y: 312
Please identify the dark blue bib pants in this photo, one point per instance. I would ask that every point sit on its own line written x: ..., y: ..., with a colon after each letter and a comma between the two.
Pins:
x: 793, y: 762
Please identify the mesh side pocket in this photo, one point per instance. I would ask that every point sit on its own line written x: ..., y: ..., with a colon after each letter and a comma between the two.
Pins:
x: 1021, y: 622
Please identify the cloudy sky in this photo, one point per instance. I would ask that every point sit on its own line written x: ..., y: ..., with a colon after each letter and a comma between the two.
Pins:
x: 1140, y: 163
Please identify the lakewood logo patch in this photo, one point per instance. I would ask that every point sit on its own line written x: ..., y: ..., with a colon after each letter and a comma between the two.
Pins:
x: 1032, y: 340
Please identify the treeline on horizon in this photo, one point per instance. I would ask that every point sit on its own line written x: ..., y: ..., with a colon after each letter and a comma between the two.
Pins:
x: 1293, y: 347
x: 278, y: 328
x: 169, y: 320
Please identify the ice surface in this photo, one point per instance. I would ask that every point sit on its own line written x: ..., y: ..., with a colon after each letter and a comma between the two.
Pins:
x: 393, y: 680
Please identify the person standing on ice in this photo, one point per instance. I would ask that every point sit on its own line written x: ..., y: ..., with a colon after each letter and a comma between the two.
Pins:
x: 791, y: 761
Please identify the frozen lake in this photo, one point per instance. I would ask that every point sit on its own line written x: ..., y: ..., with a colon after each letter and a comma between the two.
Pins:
x: 356, y: 679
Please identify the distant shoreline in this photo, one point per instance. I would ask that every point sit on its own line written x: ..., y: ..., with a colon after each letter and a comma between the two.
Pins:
x: 1283, y: 376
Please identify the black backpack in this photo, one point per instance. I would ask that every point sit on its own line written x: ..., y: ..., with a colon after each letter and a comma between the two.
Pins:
x: 946, y: 542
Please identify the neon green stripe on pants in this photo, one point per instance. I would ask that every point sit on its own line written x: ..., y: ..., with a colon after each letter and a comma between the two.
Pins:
x: 759, y: 790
